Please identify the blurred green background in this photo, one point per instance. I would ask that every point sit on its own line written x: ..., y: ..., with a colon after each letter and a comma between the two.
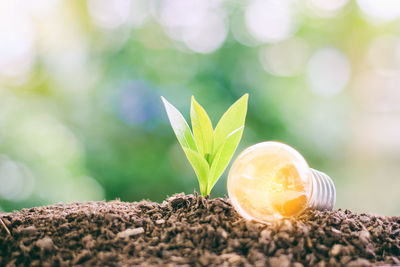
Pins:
x: 80, y: 85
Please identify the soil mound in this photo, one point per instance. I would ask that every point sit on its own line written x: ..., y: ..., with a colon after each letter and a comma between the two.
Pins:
x: 189, y: 230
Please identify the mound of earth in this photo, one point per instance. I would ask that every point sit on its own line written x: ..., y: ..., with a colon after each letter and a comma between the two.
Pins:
x: 189, y: 230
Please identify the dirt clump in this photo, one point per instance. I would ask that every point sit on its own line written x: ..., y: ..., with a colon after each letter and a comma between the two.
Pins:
x: 189, y: 230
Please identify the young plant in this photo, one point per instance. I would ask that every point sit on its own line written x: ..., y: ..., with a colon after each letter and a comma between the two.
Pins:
x: 208, y: 150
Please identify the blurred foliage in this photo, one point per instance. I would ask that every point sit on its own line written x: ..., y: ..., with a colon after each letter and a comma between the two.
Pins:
x: 80, y: 85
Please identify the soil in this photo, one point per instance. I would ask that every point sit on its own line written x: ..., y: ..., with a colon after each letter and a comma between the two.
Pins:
x: 189, y: 230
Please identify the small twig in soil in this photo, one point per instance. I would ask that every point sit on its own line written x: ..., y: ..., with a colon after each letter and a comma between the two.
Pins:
x: 5, y: 226
x: 238, y: 221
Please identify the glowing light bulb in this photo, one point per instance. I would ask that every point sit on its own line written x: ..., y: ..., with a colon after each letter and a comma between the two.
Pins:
x: 271, y: 180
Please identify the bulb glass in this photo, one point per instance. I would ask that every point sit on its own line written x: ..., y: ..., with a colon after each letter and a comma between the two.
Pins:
x: 269, y: 181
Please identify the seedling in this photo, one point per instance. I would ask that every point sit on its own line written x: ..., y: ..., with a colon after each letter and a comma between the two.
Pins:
x: 208, y: 150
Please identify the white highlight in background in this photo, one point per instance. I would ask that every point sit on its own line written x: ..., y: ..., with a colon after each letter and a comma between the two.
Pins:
x: 17, y: 43
x: 325, y: 8
x: 209, y: 35
x: 199, y: 24
x: 270, y: 20
x: 109, y: 13
x: 39, y: 8
x: 328, y: 71
x: 380, y: 11
x: 287, y: 58
x: 16, y: 180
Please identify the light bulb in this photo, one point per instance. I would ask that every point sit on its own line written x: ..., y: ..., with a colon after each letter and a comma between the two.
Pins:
x: 271, y: 180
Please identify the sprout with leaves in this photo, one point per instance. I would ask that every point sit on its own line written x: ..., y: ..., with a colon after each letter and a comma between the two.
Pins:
x: 208, y: 151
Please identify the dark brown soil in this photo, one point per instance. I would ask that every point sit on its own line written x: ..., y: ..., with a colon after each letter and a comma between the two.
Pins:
x: 192, y: 231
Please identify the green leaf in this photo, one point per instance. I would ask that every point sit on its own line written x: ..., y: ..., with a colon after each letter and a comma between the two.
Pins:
x: 209, y: 152
x: 180, y: 126
x: 232, y: 120
x: 202, y: 128
x: 200, y: 167
x: 223, y: 156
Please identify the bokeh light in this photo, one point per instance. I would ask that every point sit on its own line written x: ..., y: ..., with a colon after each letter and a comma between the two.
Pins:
x: 40, y: 8
x: 328, y: 71
x: 199, y: 24
x: 270, y: 20
x: 325, y: 8
x: 380, y: 11
x: 240, y: 30
x: 17, y: 52
x: 16, y: 180
x: 109, y: 13
x: 137, y: 104
x: 287, y: 58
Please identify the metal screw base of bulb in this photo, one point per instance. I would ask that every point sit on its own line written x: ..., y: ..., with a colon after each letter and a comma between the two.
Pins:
x: 323, y: 195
